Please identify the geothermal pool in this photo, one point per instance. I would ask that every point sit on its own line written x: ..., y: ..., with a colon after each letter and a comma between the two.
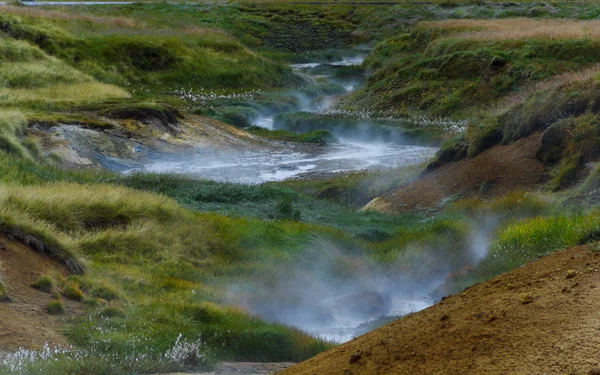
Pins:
x: 291, y: 161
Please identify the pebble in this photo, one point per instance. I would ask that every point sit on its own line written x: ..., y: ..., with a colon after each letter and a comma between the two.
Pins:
x: 526, y: 298
x: 570, y: 274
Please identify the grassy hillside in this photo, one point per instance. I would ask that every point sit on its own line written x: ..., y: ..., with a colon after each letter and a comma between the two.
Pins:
x: 130, y: 54
x: 456, y: 67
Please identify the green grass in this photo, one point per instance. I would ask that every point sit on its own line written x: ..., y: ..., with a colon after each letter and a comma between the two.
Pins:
x: 28, y: 74
x: 142, y: 252
x: 72, y: 291
x: 350, y: 125
x: 524, y: 241
x: 157, y: 255
x: 430, y: 69
x: 322, y: 137
x: 166, y: 267
x: 48, y: 52
x: 355, y: 189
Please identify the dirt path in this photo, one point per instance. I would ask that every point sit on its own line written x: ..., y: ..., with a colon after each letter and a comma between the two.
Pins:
x: 543, y: 318
x: 492, y: 173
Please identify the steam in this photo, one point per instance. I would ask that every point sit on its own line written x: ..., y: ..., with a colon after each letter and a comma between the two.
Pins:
x: 338, y: 293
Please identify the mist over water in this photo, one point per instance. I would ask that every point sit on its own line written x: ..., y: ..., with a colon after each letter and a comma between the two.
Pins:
x: 292, y: 161
x: 338, y: 296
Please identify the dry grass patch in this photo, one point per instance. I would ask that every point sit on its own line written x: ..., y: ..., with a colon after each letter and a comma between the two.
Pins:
x: 65, y: 93
x: 520, y: 28
x: 55, y: 15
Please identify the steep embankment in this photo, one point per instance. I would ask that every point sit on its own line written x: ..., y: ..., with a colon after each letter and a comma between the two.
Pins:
x: 493, y: 173
x: 25, y: 321
x: 541, y: 318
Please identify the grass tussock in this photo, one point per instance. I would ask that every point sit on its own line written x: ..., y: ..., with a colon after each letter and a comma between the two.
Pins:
x: 45, y: 283
x: 12, y: 127
x: 55, y: 307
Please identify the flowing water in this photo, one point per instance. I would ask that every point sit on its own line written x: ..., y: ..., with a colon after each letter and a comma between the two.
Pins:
x: 284, y: 160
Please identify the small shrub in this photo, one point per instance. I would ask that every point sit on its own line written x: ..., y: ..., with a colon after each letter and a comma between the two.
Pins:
x: 112, y: 312
x: 55, y: 307
x: 3, y: 295
x: 91, y: 302
x: 45, y: 283
x: 105, y: 291
x: 72, y: 291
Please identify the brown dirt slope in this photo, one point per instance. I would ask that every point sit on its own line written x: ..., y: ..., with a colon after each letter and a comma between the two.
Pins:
x: 492, y: 173
x: 24, y: 321
x: 543, y: 318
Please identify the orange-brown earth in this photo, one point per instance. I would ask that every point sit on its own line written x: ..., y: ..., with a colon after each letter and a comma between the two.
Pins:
x: 493, y: 173
x: 543, y: 318
x: 24, y: 321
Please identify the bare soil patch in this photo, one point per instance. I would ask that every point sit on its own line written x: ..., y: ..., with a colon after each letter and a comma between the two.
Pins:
x: 540, y: 319
x: 24, y: 321
x: 493, y: 173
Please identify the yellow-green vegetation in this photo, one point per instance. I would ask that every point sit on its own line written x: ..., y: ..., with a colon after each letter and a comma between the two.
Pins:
x: 12, y: 126
x: 28, y: 74
x: 129, y: 54
x: 520, y: 242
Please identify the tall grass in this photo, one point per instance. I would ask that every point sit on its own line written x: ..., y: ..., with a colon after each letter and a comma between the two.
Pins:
x: 12, y: 126
x: 519, y: 28
x: 28, y: 74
